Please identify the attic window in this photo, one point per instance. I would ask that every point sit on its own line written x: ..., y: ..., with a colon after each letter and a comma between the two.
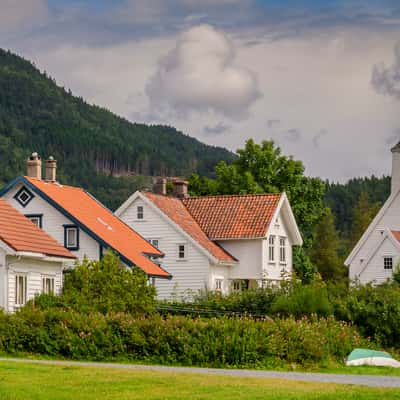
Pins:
x: 24, y: 196
x: 71, y: 237
x: 140, y: 212
x: 36, y: 219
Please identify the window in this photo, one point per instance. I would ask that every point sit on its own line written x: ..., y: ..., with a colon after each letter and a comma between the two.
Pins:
x: 71, y: 237
x: 154, y: 242
x: 48, y: 285
x: 23, y: 196
x: 388, y: 263
x: 237, y: 286
x: 35, y: 218
x: 181, y: 251
x: 140, y: 213
x: 20, y: 289
x: 218, y: 284
x: 271, y: 249
x: 282, y: 250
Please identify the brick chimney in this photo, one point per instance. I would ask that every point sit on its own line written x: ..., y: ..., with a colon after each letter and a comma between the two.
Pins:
x: 180, y: 188
x: 51, y: 169
x: 160, y: 186
x: 34, y: 166
x: 396, y: 168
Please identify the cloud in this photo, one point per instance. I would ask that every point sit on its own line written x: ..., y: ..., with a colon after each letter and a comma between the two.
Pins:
x: 17, y: 15
x: 317, y: 138
x: 386, y: 80
x: 201, y: 75
x: 216, y: 129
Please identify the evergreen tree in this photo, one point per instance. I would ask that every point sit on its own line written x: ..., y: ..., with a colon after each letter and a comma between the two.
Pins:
x: 363, y: 214
x: 324, y: 253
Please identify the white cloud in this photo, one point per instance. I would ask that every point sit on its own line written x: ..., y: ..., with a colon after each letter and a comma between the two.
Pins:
x: 16, y: 15
x: 386, y: 80
x: 201, y: 74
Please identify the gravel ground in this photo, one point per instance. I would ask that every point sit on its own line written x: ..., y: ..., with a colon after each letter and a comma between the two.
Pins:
x: 363, y: 380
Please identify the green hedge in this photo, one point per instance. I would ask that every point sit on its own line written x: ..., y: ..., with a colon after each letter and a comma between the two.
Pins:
x: 215, y: 342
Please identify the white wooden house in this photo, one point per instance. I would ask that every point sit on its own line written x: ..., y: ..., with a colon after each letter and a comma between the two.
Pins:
x: 31, y: 262
x: 76, y: 220
x: 221, y: 243
x: 376, y: 255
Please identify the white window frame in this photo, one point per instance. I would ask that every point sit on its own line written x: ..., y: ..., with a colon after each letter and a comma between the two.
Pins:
x: 154, y: 242
x: 52, y: 280
x: 282, y: 250
x: 21, y: 296
x: 271, y: 248
x: 182, y: 254
x: 237, y: 286
x: 385, y: 265
x: 140, y: 213
x: 218, y: 284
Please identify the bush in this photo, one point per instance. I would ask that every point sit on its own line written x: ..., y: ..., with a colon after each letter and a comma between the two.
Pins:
x: 103, y: 286
x: 375, y: 310
x: 303, y: 300
x: 214, y: 342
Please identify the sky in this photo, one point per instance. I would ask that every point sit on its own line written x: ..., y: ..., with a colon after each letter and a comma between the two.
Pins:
x: 319, y: 77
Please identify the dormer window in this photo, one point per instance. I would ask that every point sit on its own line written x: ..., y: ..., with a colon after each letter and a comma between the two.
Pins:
x: 71, y: 237
x: 24, y: 196
x: 139, y: 212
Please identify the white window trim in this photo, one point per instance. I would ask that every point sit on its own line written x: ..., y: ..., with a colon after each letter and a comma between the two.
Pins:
x: 271, y: 249
x: 138, y: 213
x: 218, y: 284
x: 393, y: 264
x: 282, y: 260
x: 185, y: 251
x: 53, y: 277
x: 17, y: 299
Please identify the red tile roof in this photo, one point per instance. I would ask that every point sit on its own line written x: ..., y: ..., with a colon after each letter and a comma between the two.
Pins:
x: 233, y: 216
x: 19, y: 233
x: 177, y: 212
x: 101, y: 222
x: 396, y: 234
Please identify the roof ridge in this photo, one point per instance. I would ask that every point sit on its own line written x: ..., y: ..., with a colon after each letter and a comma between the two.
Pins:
x: 232, y: 195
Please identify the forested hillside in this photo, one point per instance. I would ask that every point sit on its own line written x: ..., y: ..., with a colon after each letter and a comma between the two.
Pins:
x: 96, y: 149
x: 343, y: 198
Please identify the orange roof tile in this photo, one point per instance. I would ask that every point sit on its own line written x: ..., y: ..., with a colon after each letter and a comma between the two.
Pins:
x: 177, y: 212
x: 396, y: 234
x: 19, y: 233
x: 101, y: 222
x: 233, y: 216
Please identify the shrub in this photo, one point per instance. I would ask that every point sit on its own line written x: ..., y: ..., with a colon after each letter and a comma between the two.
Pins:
x: 375, y: 310
x: 103, y: 286
x: 214, y: 342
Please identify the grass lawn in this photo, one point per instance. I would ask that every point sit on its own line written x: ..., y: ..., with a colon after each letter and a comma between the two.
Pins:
x: 30, y: 381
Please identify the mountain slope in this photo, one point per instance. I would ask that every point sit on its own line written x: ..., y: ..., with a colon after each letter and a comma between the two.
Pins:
x: 95, y: 148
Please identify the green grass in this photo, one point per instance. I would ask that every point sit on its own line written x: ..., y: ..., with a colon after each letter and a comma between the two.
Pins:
x: 44, y: 382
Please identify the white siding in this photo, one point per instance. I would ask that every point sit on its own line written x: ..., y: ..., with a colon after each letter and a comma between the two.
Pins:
x: 249, y: 254
x: 53, y: 223
x: 374, y: 271
x: 189, y: 275
x: 390, y: 220
x: 34, y: 270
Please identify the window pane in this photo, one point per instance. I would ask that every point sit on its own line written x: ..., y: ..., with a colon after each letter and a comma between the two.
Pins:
x: 181, y: 251
x: 71, y: 237
x: 140, y: 212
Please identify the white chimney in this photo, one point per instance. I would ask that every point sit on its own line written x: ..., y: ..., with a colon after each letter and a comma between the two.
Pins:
x: 34, y: 166
x: 51, y: 169
x: 396, y: 168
